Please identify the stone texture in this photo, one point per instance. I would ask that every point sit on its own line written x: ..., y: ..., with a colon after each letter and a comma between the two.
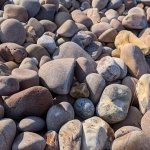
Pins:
x: 2, y: 111
x: 99, y: 4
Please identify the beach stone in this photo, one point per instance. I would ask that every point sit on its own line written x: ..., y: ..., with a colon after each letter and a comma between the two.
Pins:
x: 99, y: 4
x: 51, y: 138
x: 81, y: 27
x: 96, y: 85
x: 16, y: 12
x: 8, y: 85
x: 31, y: 124
x: 85, y: 5
x: 4, y: 70
x: 36, y: 51
x: 61, y: 75
x: 7, y: 133
x: 114, y: 103
x: 79, y: 90
x: 67, y: 29
x: 44, y: 59
x: 135, y: 60
x: 48, y: 25
x: 79, y: 17
x: 2, y: 111
x: 107, y: 50
x: 28, y: 140
x: 95, y: 49
x: 55, y: 2
x: 111, y: 14
x: 142, y: 90
x: 27, y: 78
x: 83, y: 68
x: 91, y: 139
x: 58, y: 115
x: 136, y: 10
x: 84, y: 108
x: 9, y: 32
x: 129, y: 4
x: 28, y: 102
x: 146, y: 2
x: 32, y: 6
x: 129, y: 121
x: 114, y: 4
x: 70, y: 135
x: 11, y: 65
x: 108, y: 69
x: 116, y: 24
x: 99, y: 28
x: 47, y: 42
x: 67, y: 3
x: 47, y: 12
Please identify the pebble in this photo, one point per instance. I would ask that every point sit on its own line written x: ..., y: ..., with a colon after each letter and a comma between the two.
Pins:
x: 99, y: 4
x: 114, y: 4
x: 2, y: 111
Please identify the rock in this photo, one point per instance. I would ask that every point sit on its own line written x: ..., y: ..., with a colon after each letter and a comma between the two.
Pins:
x: 67, y: 29
x: 44, y: 59
x: 61, y: 75
x: 146, y: 2
x: 135, y: 60
x: 48, y: 25
x: 136, y: 10
x: 11, y: 65
x: 8, y: 85
x: 142, y: 90
x: 70, y: 135
x: 79, y: 90
x: 2, y: 111
x: 133, y: 119
x: 114, y: 103
x: 85, y: 5
x: 55, y: 2
x: 114, y: 4
x: 116, y: 24
x: 58, y: 115
x: 130, y: 4
x: 111, y: 14
x: 51, y: 138
x: 4, y: 70
x: 32, y: 7
x: 108, y: 69
x: 79, y: 17
x: 32, y: 101
x: 97, y: 134
x: 47, y: 42
x: 84, y: 108
x: 96, y: 85
x: 16, y: 12
x: 2, y: 2
x: 28, y: 140
x: 9, y: 32
x: 99, y: 4
x: 27, y: 78
x: 7, y: 133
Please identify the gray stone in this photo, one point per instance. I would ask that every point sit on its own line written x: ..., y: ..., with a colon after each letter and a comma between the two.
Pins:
x: 100, y: 4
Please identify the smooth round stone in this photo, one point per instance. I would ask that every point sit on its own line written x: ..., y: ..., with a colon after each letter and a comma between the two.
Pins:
x: 97, y: 134
x: 32, y: 6
x: 108, y: 69
x: 34, y: 101
x: 130, y: 4
x: 84, y: 108
x: 48, y: 25
x: 114, y: 103
x: 31, y: 124
x: 114, y: 4
x: 9, y: 32
x: 136, y: 10
x: 111, y: 14
x: 99, y: 4
x: 58, y: 115
x: 44, y: 59
x: 134, y: 59
x: 47, y: 42
x: 7, y: 133
x: 69, y: 130
x: 145, y: 2
x: 67, y: 29
x: 96, y: 85
x: 11, y: 65
x: 8, y: 85
x: 27, y: 141
x: 2, y: 111
x: 4, y: 70
x: 27, y: 78
x: 16, y: 12
x: 81, y: 27
x: 85, y: 5
x: 116, y: 24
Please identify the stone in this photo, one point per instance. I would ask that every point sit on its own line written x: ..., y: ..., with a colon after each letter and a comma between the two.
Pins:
x: 67, y: 29
x: 97, y: 134
x: 4, y: 70
x: 27, y: 78
x: 136, y: 10
x: 130, y: 4
x: 58, y: 115
x: 114, y: 4
x: 31, y: 124
x: 2, y: 2
x: 28, y: 140
x: 7, y: 133
x: 108, y: 69
x: 142, y: 91
x: 16, y: 12
x: 85, y: 5
x: 111, y: 14
x: 9, y: 32
x: 55, y: 2
x: 70, y: 135
x: 96, y: 85
x: 84, y: 108
x: 8, y: 85
x: 146, y: 2
x: 2, y: 111
x: 79, y: 90
x: 135, y: 60
x: 11, y: 65
x: 34, y: 101
x: 81, y: 27
x: 99, y: 4
x: 116, y: 24
x: 48, y: 43
x: 32, y: 6
x: 48, y: 25
x: 114, y: 103
x: 43, y: 60
x: 61, y: 76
